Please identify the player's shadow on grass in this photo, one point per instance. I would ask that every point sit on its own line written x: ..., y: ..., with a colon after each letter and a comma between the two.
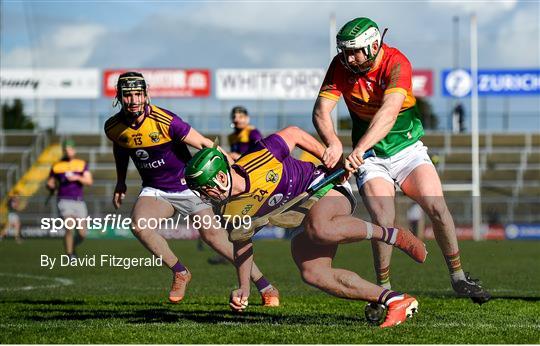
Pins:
x: 167, y: 315
x: 78, y: 302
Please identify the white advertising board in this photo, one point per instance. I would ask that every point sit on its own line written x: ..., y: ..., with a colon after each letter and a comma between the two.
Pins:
x: 268, y: 84
x: 50, y: 83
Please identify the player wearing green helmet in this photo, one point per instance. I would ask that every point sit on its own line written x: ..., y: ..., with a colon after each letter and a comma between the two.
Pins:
x: 359, y: 35
x: 267, y: 177
x: 375, y: 81
x: 67, y: 179
x: 203, y: 171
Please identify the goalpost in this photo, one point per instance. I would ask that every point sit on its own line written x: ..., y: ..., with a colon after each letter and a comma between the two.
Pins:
x: 477, y: 207
x: 474, y: 186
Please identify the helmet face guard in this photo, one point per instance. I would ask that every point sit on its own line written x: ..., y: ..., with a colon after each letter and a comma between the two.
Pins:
x: 131, y: 81
x: 359, y: 34
x: 203, y: 169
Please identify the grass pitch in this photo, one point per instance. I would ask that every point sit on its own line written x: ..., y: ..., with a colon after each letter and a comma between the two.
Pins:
x: 114, y: 305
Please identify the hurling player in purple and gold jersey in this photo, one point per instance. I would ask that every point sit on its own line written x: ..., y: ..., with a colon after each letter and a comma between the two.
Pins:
x: 156, y: 141
x: 241, y: 140
x: 268, y: 176
x: 68, y: 177
x: 244, y: 135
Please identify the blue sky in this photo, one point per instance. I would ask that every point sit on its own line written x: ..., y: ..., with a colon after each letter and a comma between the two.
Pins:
x: 248, y: 34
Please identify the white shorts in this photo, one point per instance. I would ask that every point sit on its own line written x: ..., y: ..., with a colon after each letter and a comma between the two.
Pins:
x: 184, y: 203
x: 72, y: 208
x: 345, y: 189
x: 396, y: 168
x: 13, y: 218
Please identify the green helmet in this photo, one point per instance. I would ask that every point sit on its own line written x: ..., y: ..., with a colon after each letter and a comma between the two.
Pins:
x: 203, y: 168
x: 359, y: 33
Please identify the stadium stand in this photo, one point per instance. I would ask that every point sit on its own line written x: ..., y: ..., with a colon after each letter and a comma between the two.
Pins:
x: 510, y: 172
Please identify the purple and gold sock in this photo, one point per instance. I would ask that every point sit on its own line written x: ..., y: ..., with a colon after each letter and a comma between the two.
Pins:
x: 389, y: 235
x: 388, y: 296
x: 262, y: 284
x: 178, y: 268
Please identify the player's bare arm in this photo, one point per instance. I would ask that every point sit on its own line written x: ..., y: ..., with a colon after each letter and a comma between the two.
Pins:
x: 121, y: 160
x: 243, y: 261
x: 198, y: 141
x: 322, y: 120
x: 379, y: 127
x: 51, y: 184
x: 85, y: 179
x: 234, y: 156
x: 296, y: 137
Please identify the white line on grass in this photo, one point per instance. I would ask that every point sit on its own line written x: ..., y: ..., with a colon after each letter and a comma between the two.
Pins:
x: 57, y: 282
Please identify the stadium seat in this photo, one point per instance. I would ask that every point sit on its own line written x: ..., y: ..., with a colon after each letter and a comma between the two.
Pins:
x: 456, y: 175
x: 533, y: 158
x: 465, y: 141
x: 458, y: 158
x: 497, y: 175
x: 527, y: 211
x: 88, y: 140
x: 11, y: 157
x: 503, y: 157
x: 98, y: 190
x: 434, y: 141
x: 457, y: 194
x: 508, y: 140
x: 497, y: 191
x: 105, y: 157
x: 490, y: 206
x: 104, y: 174
x: 535, y: 140
x: 529, y: 190
x: 19, y: 140
x: 3, y: 172
x: 532, y: 174
x: 109, y: 174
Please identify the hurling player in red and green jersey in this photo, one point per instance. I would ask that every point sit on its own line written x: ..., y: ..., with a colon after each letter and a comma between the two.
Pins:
x: 375, y: 81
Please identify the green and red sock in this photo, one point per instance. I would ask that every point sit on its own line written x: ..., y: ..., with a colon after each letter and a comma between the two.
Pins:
x: 453, y: 262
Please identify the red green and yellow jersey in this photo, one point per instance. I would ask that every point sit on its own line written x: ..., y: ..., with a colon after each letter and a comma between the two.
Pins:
x: 364, y: 95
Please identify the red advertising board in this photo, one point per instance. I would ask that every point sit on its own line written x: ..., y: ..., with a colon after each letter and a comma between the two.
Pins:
x: 422, y: 81
x: 164, y: 82
x: 465, y: 232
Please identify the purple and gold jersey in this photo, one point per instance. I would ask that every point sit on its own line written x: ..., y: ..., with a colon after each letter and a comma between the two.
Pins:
x: 61, y: 171
x: 244, y: 139
x: 155, y: 145
x: 273, y: 177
